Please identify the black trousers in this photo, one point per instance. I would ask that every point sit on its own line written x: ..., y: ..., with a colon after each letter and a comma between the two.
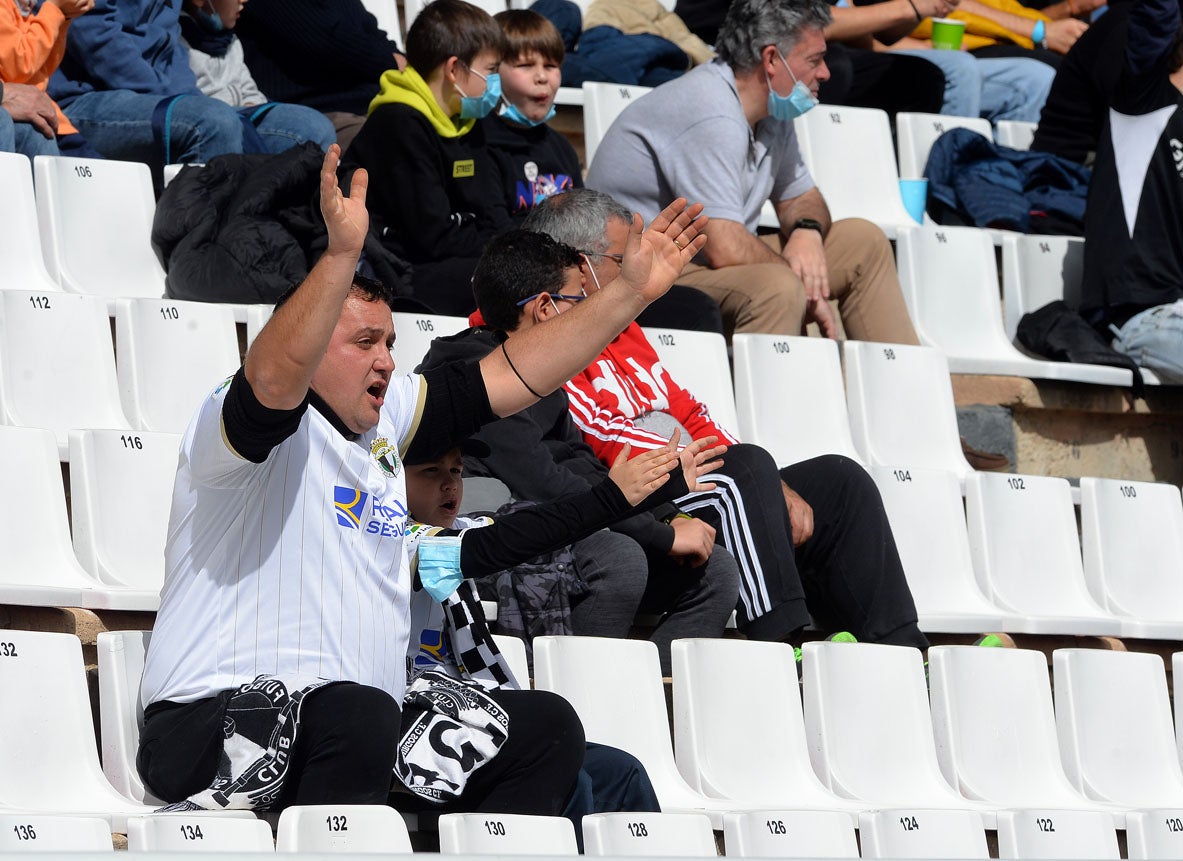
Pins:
x: 847, y: 576
x: 346, y: 747
x: 891, y: 82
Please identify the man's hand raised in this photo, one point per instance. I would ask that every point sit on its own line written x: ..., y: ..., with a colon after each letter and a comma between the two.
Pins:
x: 346, y: 218
x: 654, y: 257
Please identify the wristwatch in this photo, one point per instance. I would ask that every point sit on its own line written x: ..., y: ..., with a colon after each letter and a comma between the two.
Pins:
x: 807, y: 224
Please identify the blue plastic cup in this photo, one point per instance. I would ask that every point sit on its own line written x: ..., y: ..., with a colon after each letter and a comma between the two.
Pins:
x: 915, y: 195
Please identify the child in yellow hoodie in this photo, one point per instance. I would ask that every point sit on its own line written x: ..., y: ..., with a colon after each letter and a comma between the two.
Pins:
x: 433, y: 192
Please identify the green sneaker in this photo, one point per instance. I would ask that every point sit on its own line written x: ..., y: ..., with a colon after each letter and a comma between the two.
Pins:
x: 990, y: 641
x: 842, y: 637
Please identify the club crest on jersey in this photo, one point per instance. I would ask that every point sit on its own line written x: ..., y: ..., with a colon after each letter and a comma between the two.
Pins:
x: 386, y: 456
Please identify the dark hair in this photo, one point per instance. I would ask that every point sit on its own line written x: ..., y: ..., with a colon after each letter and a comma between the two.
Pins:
x: 527, y: 32
x: 451, y: 28
x: 1175, y: 59
x: 753, y: 25
x: 369, y: 289
x: 515, y: 265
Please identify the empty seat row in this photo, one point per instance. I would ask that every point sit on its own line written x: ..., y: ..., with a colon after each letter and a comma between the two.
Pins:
x: 863, y: 740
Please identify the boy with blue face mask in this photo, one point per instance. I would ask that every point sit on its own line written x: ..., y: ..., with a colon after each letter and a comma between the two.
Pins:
x: 533, y: 161
x: 432, y: 188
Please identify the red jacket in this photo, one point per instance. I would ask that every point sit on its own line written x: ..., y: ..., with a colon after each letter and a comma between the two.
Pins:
x: 627, y: 381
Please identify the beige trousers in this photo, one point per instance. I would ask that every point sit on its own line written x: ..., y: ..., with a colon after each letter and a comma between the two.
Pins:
x: 770, y: 298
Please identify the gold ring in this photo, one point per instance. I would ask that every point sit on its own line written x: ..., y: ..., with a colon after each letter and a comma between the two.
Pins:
x: 679, y: 244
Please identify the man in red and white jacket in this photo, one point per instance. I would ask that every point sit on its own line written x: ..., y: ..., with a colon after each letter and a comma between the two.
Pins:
x: 812, y: 540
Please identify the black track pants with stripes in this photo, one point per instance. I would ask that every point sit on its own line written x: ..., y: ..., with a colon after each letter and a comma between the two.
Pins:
x: 847, y: 576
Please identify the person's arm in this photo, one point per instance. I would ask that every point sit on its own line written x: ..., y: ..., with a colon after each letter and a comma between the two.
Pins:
x: 27, y: 44
x: 542, y: 358
x: 285, y: 354
x: 887, y: 22
x: 1060, y: 35
x: 1150, y: 37
x: 27, y: 104
x: 111, y: 58
x: 805, y: 252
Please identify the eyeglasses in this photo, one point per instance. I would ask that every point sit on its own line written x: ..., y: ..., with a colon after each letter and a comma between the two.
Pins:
x: 619, y: 258
x: 553, y: 296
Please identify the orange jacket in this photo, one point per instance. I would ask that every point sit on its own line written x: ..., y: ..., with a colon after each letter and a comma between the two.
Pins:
x: 32, y: 48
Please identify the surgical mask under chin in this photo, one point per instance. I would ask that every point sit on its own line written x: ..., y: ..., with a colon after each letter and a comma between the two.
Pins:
x: 798, y: 101
x: 439, y: 565
x: 209, y: 20
x: 511, y: 112
x: 476, y: 107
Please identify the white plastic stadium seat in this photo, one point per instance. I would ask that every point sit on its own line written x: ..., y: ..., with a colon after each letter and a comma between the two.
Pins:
x: 121, y: 714
x: 995, y: 730
x: 721, y: 684
x: 334, y: 828
x: 602, y: 103
x: 39, y: 566
x: 116, y: 479
x: 197, y: 833
x: 573, y: 667
x: 851, y: 157
x: 698, y: 363
x: 1016, y: 134
x: 1022, y: 535
x: 1037, y: 270
x: 95, y: 218
x: 912, y: 833
x: 1132, y: 538
x: 48, y: 761
x: 927, y: 519
x: 57, y: 365
x: 916, y: 134
x: 636, y: 835
x: 171, y: 356
x: 950, y: 282
x: 790, y: 397
x: 867, y: 720
x: 789, y: 834
x: 386, y: 12
x: 1049, y: 834
x: 20, y: 243
x: 1113, y: 719
x: 506, y: 834
x: 901, y: 407
x: 21, y: 833
x: 413, y: 334
x: 1156, y: 834
x: 513, y: 650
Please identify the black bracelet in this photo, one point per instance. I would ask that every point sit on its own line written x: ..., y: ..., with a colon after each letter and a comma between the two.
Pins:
x: 917, y: 11
x: 517, y: 373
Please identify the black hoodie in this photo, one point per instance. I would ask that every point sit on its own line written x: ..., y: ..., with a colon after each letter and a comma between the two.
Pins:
x: 538, y: 453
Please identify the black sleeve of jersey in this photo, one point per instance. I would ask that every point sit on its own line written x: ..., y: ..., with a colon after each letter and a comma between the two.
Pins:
x: 251, y: 428
x: 456, y: 406
x: 524, y: 534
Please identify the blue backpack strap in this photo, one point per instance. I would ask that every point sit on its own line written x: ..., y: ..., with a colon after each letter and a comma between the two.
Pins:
x: 162, y: 116
x: 251, y: 117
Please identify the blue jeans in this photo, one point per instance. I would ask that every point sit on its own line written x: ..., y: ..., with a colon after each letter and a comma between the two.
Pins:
x: 997, y: 89
x: 118, y: 123
x: 1154, y: 339
x: 23, y: 138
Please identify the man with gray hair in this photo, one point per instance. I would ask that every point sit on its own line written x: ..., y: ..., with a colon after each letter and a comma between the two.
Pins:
x: 723, y: 134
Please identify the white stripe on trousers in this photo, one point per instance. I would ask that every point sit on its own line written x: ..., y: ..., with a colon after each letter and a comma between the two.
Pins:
x: 728, y: 503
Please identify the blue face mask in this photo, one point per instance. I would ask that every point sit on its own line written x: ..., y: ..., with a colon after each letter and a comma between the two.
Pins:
x: 209, y: 20
x: 439, y: 565
x: 797, y: 102
x: 475, y: 107
x: 509, y: 111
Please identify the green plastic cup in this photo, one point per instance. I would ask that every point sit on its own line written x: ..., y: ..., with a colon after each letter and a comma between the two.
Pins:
x: 947, y: 33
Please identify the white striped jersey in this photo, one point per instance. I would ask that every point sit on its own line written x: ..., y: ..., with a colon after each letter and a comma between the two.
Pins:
x: 293, y: 566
